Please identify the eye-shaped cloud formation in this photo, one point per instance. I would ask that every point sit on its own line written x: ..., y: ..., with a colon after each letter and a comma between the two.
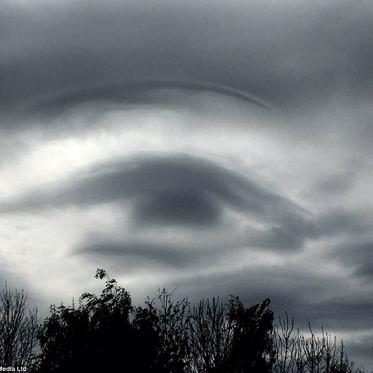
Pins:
x: 224, y: 146
x: 168, y: 189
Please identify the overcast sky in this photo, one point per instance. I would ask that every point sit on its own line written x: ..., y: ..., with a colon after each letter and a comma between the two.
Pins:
x: 223, y: 147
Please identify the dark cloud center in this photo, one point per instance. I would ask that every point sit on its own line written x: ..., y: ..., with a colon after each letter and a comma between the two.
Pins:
x: 163, y: 189
x: 186, y: 207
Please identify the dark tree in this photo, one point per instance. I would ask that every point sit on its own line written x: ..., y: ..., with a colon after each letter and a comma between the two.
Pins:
x: 97, y: 336
x: 231, y: 338
x: 252, y: 345
x: 297, y: 353
x: 166, y: 322
x: 106, y: 333
x: 211, y: 335
x: 18, y: 329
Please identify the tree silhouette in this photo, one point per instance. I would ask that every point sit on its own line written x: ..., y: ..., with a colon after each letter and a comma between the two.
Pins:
x: 18, y: 329
x: 231, y: 338
x: 252, y: 343
x: 107, y: 333
x: 97, y: 335
x: 211, y: 333
x: 298, y: 353
x: 169, y: 330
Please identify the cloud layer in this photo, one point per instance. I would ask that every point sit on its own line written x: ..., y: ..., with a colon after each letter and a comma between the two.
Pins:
x: 220, y: 147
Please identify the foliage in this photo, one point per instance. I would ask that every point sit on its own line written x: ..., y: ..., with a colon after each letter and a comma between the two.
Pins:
x: 169, y: 325
x: 106, y: 332
x: 230, y: 338
x: 252, y: 342
x: 95, y: 336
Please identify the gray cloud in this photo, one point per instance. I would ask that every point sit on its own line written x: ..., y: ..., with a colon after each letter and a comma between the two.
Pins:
x: 296, y: 290
x: 132, y: 256
x: 365, y: 270
x: 342, y: 221
x: 165, y: 189
x: 141, y: 92
x: 61, y: 47
x: 79, y: 110
x: 354, y: 253
x: 63, y: 65
x: 193, y: 207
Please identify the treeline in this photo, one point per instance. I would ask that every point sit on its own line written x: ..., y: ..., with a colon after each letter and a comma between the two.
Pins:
x: 107, y: 333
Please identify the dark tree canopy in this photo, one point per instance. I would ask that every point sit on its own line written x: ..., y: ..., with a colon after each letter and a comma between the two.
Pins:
x: 106, y: 333
x: 96, y: 336
x: 229, y: 337
x: 252, y: 349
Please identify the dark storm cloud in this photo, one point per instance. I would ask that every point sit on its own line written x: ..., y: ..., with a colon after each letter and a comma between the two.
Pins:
x: 140, y: 254
x: 306, y: 296
x: 291, y: 289
x: 355, y: 254
x: 172, y: 189
x: 283, y: 54
x: 342, y: 221
x: 285, y: 235
x: 180, y: 190
x: 191, y: 207
x: 366, y: 269
x: 134, y: 255
x: 303, y: 294
x: 345, y: 313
